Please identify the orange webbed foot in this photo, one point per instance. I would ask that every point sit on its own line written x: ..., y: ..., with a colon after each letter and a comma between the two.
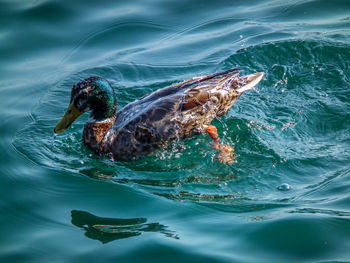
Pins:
x: 227, y: 153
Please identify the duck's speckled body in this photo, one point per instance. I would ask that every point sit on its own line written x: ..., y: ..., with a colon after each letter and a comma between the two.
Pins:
x: 174, y: 112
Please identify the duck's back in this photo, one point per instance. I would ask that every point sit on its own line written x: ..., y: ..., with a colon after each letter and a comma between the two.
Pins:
x: 181, y: 110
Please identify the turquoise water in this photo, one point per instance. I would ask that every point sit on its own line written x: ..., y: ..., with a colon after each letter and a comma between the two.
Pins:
x: 287, y: 199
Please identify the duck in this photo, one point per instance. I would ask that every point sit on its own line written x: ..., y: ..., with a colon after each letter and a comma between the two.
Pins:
x: 168, y: 114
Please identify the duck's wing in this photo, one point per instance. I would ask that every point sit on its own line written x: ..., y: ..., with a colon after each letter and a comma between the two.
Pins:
x: 167, y: 102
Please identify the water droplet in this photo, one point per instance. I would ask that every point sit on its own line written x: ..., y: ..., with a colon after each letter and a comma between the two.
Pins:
x: 81, y: 161
x: 284, y: 187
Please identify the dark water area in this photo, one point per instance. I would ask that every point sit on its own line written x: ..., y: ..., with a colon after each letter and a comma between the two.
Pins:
x: 286, y: 199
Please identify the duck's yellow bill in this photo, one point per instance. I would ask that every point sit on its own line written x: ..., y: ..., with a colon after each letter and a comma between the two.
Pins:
x: 69, y: 117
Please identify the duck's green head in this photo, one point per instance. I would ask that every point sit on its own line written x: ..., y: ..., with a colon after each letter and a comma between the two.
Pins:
x: 92, y: 94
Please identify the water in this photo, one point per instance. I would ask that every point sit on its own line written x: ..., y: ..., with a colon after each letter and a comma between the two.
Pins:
x: 285, y: 200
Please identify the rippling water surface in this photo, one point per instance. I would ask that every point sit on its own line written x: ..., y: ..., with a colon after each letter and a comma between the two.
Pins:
x: 286, y: 199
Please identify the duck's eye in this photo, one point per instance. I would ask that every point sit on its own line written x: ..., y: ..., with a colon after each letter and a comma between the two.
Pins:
x: 69, y: 111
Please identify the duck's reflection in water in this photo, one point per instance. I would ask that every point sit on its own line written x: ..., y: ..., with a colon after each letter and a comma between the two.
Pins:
x: 110, y: 229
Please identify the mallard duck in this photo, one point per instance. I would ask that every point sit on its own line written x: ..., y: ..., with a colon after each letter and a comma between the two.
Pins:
x: 151, y: 122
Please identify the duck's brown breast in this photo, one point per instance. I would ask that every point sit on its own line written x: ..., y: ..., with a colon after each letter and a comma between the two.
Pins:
x: 94, y: 133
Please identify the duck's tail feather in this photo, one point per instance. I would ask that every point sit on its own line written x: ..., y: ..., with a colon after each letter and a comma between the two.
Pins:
x: 250, y: 81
